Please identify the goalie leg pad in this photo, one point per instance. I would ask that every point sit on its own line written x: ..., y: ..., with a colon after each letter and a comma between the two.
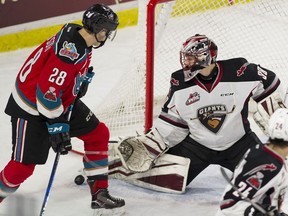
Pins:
x: 168, y: 174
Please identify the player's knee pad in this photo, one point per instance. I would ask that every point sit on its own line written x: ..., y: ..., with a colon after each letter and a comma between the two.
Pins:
x: 15, y: 172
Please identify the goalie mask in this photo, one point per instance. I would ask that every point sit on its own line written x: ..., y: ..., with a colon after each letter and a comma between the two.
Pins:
x: 278, y: 126
x: 196, y: 53
x: 100, y: 17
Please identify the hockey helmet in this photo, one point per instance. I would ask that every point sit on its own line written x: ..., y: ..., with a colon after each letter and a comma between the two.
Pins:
x: 278, y: 125
x: 99, y: 17
x: 202, y: 49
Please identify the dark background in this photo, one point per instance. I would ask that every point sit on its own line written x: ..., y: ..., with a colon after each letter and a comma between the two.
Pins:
x: 13, y: 12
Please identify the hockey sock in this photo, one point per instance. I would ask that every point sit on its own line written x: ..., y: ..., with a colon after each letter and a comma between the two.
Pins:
x: 96, y: 157
x: 12, y: 176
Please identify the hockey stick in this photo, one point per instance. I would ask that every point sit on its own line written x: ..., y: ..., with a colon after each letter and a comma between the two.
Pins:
x: 52, y: 175
x: 254, y: 204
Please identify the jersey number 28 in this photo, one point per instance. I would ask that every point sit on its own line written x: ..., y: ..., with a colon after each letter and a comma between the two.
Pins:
x: 57, y: 76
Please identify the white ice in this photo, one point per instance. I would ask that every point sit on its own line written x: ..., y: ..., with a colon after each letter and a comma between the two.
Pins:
x: 67, y: 199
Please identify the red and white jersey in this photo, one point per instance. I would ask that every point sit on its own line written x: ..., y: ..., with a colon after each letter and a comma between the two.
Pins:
x: 50, y: 78
x: 214, y: 113
x: 262, y: 176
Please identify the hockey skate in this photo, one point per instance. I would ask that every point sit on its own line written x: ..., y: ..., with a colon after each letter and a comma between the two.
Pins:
x: 104, y: 203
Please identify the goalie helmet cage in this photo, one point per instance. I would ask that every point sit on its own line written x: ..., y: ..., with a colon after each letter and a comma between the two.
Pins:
x: 254, y: 29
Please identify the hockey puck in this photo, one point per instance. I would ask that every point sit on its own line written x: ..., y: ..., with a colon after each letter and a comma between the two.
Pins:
x: 79, y: 180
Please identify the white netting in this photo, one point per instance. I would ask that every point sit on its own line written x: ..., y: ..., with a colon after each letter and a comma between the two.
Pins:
x: 254, y: 29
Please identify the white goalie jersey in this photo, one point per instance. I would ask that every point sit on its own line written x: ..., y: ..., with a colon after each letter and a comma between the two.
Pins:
x: 215, y: 114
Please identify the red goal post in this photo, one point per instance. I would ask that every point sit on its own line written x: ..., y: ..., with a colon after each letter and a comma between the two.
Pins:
x: 150, y: 61
x: 254, y: 29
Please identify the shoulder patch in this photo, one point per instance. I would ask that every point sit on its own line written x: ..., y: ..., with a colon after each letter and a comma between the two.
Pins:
x: 69, y: 50
x: 240, y: 72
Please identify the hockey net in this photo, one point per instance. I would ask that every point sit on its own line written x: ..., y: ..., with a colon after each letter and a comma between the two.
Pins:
x: 254, y: 29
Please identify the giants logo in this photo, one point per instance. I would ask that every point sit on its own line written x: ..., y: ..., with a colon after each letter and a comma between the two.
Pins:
x: 212, y: 117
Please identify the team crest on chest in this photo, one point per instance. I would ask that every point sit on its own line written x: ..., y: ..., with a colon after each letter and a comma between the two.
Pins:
x: 212, y: 117
x: 69, y: 50
x: 50, y: 95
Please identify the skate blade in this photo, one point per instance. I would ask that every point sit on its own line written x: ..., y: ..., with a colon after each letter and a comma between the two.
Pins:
x: 110, y: 212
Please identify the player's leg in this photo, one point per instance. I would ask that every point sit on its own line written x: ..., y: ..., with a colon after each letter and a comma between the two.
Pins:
x: 95, y: 135
x: 30, y: 147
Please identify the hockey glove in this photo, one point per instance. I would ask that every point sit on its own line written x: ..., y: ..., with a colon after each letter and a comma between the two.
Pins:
x: 271, y: 211
x: 265, y: 109
x: 139, y: 153
x: 87, y: 80
x: 59, y: 136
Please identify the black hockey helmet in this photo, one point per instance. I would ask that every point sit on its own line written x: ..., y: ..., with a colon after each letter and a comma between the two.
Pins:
x: 99, y: 17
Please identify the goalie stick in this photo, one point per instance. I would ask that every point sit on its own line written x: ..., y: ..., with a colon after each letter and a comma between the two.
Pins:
x: 235, y: 188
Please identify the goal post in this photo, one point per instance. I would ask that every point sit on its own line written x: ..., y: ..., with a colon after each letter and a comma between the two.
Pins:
x: 253, y: 29
x: 150, y: 43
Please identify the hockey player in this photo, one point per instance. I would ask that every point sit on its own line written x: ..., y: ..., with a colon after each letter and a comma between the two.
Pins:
x: 262, y: 175
x: 46, y: 86
x: 204, y: 119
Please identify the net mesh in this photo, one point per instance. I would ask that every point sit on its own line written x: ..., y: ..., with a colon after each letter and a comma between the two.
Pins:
x: 254, y: 29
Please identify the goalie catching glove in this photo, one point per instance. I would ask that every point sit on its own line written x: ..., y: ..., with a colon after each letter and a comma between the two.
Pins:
x: 265, y: 109
x: 139, y: 153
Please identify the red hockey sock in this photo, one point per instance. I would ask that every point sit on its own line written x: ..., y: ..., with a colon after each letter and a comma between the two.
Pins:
x: 96, y: 155
x: 12, y: 176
